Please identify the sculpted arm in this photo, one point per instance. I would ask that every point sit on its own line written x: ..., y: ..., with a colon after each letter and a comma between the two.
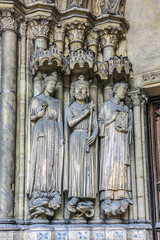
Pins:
x: 73, y: 121
x: 103, y: 122
x: 35, y: 116
x: 94, y: 133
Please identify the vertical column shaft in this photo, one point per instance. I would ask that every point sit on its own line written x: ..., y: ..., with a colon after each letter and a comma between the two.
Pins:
x: 144, y: 151
x: 8, y: 122
x: 21, y: 134
x: 139, y: 155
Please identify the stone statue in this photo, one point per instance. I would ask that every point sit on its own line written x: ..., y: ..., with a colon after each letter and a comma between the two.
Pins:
x: 78, y: 3
x: 110, y: 6
x: 115, y: 128
x: 81, y: 182
x: 45, y: 151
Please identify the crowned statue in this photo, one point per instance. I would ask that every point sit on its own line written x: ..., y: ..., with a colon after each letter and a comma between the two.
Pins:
x: 81, y: 182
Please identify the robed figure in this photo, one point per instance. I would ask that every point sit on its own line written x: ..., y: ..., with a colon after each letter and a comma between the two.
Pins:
x: 115, y: 127
x: 81, y: 119
x: 45, y: 151
x: 113, y: 6
x: 78, y: 3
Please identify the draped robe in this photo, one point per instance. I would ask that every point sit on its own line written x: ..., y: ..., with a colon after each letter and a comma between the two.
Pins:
x: 114, y: 178
x: 46, y: 146
x: 113, y: 6
x: 82, y: 166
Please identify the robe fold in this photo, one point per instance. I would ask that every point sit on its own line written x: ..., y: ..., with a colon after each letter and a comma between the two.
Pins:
x: 114, y: 178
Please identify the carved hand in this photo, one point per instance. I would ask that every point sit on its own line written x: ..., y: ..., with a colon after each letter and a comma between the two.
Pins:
x: 90, y: 140
x: 41, y: 113
x: 86, y: 111
x: 115, y: 115
x: 112, y: 119
x: 91, y: 106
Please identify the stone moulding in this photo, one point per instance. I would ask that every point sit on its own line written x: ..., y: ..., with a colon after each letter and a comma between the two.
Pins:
x: 152, y: 77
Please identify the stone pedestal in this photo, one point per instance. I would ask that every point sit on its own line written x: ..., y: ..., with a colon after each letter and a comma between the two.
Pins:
x: 75, y: 232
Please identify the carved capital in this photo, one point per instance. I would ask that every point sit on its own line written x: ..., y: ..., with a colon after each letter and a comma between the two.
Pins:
x: 76, y: 31
x: 138, y: 97
x: 9, y: 20
x: 59, y: 33
x: 92, y: 37
x: 23, y: 29
x: 110, y: 36
x: 40, y: 27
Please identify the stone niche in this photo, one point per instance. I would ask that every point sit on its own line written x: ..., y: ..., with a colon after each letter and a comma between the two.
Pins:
x: 73, y: 160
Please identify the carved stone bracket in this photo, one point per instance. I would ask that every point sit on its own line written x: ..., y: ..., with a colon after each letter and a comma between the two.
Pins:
x: 115, y: 68
x: 115, y: 208
x: 81, y: 57
x: 80, y: 209
x: 121, y: 65
x: 46, y: 56
x: 44, y: 205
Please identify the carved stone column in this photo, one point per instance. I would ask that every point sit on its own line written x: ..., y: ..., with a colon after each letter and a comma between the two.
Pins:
x: 21, y: 111
x: 76, y: 34
x: 40, y: 29
x: 59, y: 35
x: 109, y: 40
x: 92, y: 39
x: 137, y: 98
x: 145, y: 151
x: 8, y: 113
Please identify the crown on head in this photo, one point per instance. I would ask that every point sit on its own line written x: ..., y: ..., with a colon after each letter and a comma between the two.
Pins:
x: 81, y: 80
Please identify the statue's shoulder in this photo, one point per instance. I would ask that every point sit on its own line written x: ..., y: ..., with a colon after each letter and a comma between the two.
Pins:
x: 56, y: 100
x: 72, y: 104
x: 35, y: 98
x: 106, y: 104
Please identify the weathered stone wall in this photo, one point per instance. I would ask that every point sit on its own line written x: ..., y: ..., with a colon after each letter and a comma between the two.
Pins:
x: 143, y: 37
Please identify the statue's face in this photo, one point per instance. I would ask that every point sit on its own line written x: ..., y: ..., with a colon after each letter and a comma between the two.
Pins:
x: 121, y: 91
x: 50, y: 87
x: 80, y: 92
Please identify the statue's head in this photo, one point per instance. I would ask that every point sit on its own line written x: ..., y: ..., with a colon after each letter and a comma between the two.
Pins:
x: 81, y: 88
x: 50, y: 82
x: 120, y: 90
